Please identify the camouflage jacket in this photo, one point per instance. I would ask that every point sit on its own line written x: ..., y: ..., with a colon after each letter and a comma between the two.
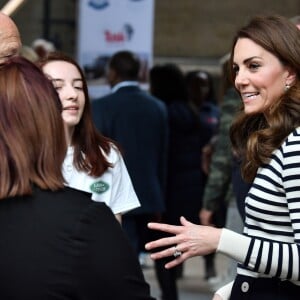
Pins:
x: 218, y: 187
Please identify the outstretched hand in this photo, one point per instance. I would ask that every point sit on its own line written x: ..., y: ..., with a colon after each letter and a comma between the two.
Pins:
x: 190, y: 240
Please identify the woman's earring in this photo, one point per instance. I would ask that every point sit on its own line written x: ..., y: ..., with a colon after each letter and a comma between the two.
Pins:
x: 287, y: 87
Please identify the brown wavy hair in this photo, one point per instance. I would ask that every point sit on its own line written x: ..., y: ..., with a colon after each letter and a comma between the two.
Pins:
x: 253, y: 137
x: 32, y: 143
x: 86, y: 139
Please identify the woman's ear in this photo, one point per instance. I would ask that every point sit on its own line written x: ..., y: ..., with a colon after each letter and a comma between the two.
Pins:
x: 112, y: 77
x: 291, y: 77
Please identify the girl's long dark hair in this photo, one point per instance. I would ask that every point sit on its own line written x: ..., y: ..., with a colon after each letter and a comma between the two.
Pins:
x: 89, y: 144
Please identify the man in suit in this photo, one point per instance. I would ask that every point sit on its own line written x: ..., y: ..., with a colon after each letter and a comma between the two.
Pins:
x: 138, y: 122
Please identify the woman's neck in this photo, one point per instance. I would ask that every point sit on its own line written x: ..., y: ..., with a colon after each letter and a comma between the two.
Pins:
x: 68, y: 134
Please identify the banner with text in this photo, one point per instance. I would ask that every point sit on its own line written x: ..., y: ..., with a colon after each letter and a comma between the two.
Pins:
x: 108, y: 26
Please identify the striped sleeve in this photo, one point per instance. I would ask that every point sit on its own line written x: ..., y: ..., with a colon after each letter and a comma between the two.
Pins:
x: 271, y: 241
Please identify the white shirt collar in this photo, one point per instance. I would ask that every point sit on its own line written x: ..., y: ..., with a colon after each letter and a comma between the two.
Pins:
x: 124, y: 83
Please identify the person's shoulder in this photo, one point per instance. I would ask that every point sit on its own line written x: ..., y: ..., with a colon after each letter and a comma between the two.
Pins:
x: 101, y: 101
x: 63, y: 196
x: 292, y: 141
x: 65, y: 205
x: 70, y: 201
x: 149, y: 101
x: 294, y: 135
x: 159, y: 103
x: 297, y: 131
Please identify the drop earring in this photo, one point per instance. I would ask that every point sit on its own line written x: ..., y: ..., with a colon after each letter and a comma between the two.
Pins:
x: 287, y: 87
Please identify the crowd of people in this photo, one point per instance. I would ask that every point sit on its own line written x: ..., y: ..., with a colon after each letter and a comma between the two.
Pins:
x: 87, y: 186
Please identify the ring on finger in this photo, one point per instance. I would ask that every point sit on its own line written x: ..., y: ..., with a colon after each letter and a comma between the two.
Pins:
x: 177, y: 252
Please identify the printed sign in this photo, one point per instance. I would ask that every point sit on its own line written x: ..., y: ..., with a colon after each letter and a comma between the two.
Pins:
x: 108, y: 26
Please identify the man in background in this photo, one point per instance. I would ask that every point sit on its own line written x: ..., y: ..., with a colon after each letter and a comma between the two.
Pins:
x: 137, y: 121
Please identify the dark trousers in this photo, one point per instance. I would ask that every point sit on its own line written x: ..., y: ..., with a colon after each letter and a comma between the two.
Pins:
x: 249, y: 288
x: 166, y: 279
x: 135, y: 226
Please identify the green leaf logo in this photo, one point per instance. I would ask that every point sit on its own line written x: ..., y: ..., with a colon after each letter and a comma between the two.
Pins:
x: 99, y: 187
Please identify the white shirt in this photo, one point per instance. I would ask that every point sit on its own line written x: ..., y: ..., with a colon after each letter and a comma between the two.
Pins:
x: 114, y: 187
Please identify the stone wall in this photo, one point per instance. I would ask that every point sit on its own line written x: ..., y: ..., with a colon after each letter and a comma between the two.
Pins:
x: 186, y: 31
x: 198, y: 28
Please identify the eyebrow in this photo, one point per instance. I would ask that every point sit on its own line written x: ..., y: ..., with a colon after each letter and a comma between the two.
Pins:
x: 248, y: 59
x: 62, y: 80
x: 56, y: 80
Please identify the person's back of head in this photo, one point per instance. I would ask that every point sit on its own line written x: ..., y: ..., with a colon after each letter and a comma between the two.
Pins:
x: 167, y: 83
x: 42, y: 47
x: 200, y: 87
x: 10, y: 41
x: 123, y: 66
x: 32, y: 142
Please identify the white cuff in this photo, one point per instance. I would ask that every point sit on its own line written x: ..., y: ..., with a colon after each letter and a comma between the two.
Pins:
x: 225, y: 291
x: 234, y: 245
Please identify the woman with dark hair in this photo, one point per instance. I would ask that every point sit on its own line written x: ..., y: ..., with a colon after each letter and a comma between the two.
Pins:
x: 265, y: 65
x: 93, y: 163
x: 56, y: 243
x: 189, y: 131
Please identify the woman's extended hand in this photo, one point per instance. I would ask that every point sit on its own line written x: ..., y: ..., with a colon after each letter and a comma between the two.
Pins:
x: 190, y: 240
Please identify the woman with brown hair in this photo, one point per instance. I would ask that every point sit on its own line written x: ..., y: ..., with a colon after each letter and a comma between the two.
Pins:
x: 265, y: 62
x: 93, y: 162
x: 55, y: 242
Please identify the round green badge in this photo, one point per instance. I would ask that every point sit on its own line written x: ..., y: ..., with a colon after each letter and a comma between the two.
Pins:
x: 99, y: 187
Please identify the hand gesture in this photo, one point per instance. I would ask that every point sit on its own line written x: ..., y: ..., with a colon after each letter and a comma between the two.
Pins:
x: 189, y: 240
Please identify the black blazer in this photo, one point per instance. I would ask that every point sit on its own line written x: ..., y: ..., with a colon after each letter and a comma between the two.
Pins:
x: 139, y: 124
x: 62, y: 245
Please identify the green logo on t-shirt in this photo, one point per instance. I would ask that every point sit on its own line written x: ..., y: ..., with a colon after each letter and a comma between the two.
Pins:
x: 99, y: 187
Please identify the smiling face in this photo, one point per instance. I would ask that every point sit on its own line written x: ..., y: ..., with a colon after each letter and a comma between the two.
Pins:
x: 259, y: 76
x: 69, y: 85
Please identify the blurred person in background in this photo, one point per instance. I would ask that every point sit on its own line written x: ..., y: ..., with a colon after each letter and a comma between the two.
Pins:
x: 202, y: 100
x: 42, y: 47
x: 167, y: 84
x: 219, y: 201
x: 29, y: 53
x: 137, y: 121
x: 189, y: 130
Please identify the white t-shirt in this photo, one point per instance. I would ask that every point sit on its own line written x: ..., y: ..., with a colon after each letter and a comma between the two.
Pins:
x: 114, y: 187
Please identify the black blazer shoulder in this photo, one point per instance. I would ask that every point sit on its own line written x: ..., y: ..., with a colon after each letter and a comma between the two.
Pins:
x: 62, y: 245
